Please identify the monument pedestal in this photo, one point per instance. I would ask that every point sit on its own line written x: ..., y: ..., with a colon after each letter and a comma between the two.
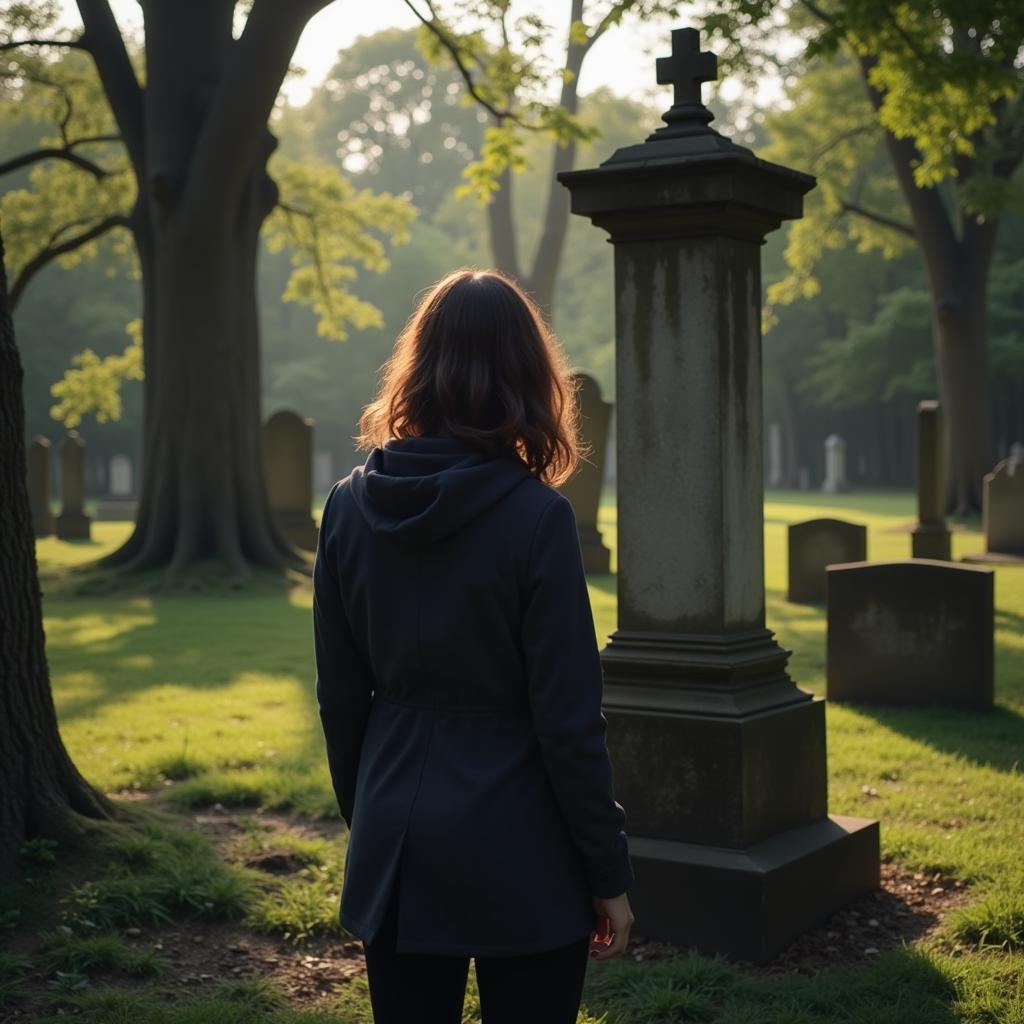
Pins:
x: 73, y: 525
x: 932, y: 541
x: 751, y: 903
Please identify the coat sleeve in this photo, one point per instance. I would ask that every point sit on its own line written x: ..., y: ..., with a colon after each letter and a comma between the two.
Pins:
x: 344, y: 681
x: 565, y: 687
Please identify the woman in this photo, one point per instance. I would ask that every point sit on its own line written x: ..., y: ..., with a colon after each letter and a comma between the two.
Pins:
x: 458, y: 677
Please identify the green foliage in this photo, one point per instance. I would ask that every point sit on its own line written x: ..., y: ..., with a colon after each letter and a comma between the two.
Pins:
x: 13, y: 969
x: 332, y: 228
x: 504, y: 57
x: 997, y: 921
x: 93, y: 384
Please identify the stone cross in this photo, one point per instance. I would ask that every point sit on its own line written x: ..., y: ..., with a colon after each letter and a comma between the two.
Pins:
x: 688, y: 67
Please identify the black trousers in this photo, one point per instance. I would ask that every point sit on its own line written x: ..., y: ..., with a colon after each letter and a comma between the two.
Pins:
x: 542, y: 988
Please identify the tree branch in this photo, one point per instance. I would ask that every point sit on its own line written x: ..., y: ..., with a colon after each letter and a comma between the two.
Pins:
x: 65, y: 152
x: 879, y: 218
x: 51, y: 252
x: 73, y: 44
x: 236, y: 121
x: 103, y: 39
x: 433, y: 24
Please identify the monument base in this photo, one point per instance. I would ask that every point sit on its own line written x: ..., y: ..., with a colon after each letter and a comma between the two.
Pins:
x: 932, y: 542
x: 596, y: 557
x: 73, y: 526
x: 117, y: 510
x: 750, y: 904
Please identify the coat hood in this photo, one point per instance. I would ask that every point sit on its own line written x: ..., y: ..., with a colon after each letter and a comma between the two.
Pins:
x: 421, y: 489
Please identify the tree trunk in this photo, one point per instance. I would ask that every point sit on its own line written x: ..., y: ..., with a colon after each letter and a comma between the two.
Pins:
x: 197, y: 228
x: 42, y: 794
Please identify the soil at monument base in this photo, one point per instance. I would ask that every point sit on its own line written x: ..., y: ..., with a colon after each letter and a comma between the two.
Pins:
x: 910, y: 905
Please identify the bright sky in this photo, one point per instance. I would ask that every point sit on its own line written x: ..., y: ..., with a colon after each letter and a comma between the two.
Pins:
x: 623, y: 59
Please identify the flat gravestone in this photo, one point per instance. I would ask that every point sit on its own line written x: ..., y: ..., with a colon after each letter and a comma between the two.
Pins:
x: 583, y: 488
x: 1003, y: 505
x: 288, y: 469
x: 913, y: 633
x: 39, y: 486
x: 72, y: 523
x: 815, y: 544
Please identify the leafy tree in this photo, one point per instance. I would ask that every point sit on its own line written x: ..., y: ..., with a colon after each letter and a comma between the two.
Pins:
x: 501, y: 58
x: 938, y: 94
x: 42, y: 793
x: 187, y: 182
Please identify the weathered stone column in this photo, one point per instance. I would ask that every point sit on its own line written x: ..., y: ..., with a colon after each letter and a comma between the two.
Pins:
x: 719, y: 758
x: 72, y: 523
x: 931, y: 537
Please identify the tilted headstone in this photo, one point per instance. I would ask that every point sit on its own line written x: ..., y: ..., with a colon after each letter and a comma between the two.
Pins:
x: 930, y: 537
x: 72, y: 523
x: 583, y: 488
x: 815, y: 544
x: 39, y: 477
x: 718, y: 756
x: 1003, y: 508
x: 775, y: 472
x: 912, y: 633
x: 835, y: 465
x: 288, y: 470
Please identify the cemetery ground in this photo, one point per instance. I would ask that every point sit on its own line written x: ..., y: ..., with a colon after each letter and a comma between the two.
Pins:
x: 199, y: 710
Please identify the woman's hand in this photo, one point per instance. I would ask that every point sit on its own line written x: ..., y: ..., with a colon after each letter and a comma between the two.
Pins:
x: 614, y: 920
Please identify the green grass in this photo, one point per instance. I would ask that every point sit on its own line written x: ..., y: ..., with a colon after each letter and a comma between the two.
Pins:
x: 208, y: 698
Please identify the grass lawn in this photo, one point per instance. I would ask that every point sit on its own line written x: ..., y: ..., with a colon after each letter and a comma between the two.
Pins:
x: 182, y: 702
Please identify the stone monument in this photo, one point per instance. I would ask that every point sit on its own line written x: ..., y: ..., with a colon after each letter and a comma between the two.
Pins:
x: 835, y: 465
x: 120, y: 503
x: 583, y: 488
x: 288, y: 468
x: 1003, y: 508
x: 930, y: 538
x: 815, y: 544
x: 914, y: 633
x: 72, y: 523
x: 39, y: 486
x: 719, y: 758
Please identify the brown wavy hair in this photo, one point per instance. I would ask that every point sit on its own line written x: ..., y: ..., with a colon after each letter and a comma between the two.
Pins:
x: 477, y: 361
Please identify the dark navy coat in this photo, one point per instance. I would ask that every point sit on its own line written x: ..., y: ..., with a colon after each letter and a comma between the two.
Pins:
x: 459, y: 686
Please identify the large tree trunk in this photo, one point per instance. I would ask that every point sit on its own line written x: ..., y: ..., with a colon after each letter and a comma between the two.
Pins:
x: 202, y: 204
x: 42, y: 794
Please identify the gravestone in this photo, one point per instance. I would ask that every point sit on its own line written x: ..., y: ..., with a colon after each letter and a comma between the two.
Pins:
x: 72, y: 523
x: 835, y: 465
x: 912, y: 633
x: 775, y: 472
x: 39, y: 477
x: 288, y: 469
x: 120, y: 503
x: 930, y: 537
x: 815, y: 544
x: 719, y: 758
x: 1003, y: 508
x: 805, y: 479
x: 583, y: 488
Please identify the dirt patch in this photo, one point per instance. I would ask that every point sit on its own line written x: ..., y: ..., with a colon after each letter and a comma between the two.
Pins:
x: 909, y: 906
